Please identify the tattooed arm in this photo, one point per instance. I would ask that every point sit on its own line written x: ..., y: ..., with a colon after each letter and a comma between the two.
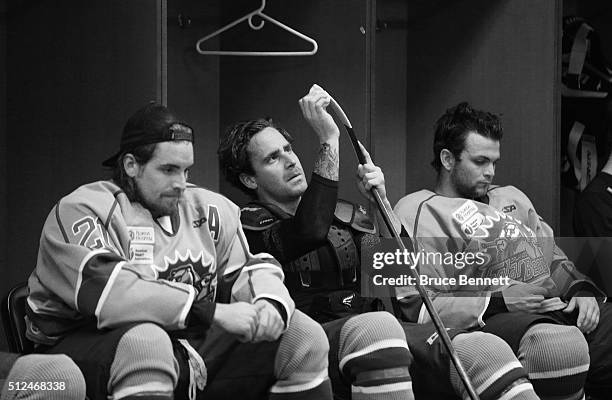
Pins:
x: 328, y: 161
x: 313, y: 107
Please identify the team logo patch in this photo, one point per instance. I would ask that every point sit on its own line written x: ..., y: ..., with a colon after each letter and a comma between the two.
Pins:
x: 463, y: 213
x: 198, y: 271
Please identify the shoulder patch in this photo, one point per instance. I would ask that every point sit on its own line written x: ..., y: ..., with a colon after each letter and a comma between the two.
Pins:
x: 256, y: 218
x: 355, y: 216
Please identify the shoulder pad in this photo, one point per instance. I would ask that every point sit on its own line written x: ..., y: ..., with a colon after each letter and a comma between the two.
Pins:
x: 256, y: 218
x: 355, y: 216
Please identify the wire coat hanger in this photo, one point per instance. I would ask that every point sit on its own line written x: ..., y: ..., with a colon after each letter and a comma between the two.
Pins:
x: 249, y: 19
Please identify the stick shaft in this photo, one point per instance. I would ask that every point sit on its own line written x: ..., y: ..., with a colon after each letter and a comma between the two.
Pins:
x: 435, y: 317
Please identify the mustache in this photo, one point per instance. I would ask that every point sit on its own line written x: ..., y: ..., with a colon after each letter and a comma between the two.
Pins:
x: 173, y: 193
x: 295, y: 172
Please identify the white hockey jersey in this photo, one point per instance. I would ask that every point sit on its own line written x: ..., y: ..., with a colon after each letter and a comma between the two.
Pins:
x: 103, y: 258
x: 513, y: 242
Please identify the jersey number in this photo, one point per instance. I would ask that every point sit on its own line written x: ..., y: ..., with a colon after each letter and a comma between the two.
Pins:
x: 85, y: 228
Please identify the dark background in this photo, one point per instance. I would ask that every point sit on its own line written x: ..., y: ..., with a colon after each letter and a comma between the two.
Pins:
x: 72, y: 72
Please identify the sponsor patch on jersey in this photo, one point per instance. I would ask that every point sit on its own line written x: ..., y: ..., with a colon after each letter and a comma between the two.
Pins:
x: 141, y: 253
x: 141, y: 234
x: 463, y: 213
x: 198, y: 222
x: 470, y: 226
x: 509, y: 208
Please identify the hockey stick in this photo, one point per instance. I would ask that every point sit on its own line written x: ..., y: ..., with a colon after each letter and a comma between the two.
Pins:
x: 415, y: 275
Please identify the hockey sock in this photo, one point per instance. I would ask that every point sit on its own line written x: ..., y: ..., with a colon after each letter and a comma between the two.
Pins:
x: 301, y: 362
x: 374, y: 356
x: 556, y: 358
x: 144, y: 365
x: 492, y: 367
x: 61, y: 378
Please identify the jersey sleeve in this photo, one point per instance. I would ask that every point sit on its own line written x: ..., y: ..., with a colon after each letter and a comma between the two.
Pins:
x: 567, y: 278
x: 83, y: 264
x: 246, y: 276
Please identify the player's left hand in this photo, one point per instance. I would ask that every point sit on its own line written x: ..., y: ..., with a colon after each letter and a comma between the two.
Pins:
x: 588, y: 312
x: 369, y: 176
x: 271, y: 324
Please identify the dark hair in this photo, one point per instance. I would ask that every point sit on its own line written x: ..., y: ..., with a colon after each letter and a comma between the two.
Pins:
x: 141, y: 133
x: 152, y: 123
x: 142, y: 154
x: 452, y: 128
x: 234, y: 158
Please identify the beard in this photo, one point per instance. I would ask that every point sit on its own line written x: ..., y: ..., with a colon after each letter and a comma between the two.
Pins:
x: 467, y: 190
x: 159, y: 208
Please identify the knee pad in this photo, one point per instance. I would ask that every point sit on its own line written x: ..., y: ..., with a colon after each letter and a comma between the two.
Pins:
x: 144, y: 364
x: 491, y: 366
x: 301, y: 362
x: 57, y: 370
x: 556, y: 358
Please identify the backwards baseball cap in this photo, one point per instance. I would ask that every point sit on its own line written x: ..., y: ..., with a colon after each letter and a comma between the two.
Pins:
x: 153, y: 123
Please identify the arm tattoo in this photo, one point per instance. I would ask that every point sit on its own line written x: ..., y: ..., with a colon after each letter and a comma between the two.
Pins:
x: 328, y: 162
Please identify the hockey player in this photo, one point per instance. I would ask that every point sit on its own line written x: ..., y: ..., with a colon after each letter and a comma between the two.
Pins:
x: 147, y: 282
x: 317, y: 239
x: 545, y: 308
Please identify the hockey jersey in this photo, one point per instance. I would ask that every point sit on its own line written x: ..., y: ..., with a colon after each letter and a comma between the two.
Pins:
x: 106, y: 260
x: 507, y: 239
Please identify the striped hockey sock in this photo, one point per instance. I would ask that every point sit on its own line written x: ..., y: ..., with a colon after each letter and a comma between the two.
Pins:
x: 556, y: 358
x: 301, y: 362
x: 492, y: 367
x: 374, y: 355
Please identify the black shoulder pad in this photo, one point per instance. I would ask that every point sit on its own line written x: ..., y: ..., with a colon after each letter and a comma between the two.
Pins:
x: 355, y: 216
x: 256, y: 218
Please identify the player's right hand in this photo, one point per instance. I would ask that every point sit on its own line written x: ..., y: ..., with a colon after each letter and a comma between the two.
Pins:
x: 314, y: 109
x: 240, y: 318
x: 369, y: 176
x: 524, y: 297
x: 271, y: 324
